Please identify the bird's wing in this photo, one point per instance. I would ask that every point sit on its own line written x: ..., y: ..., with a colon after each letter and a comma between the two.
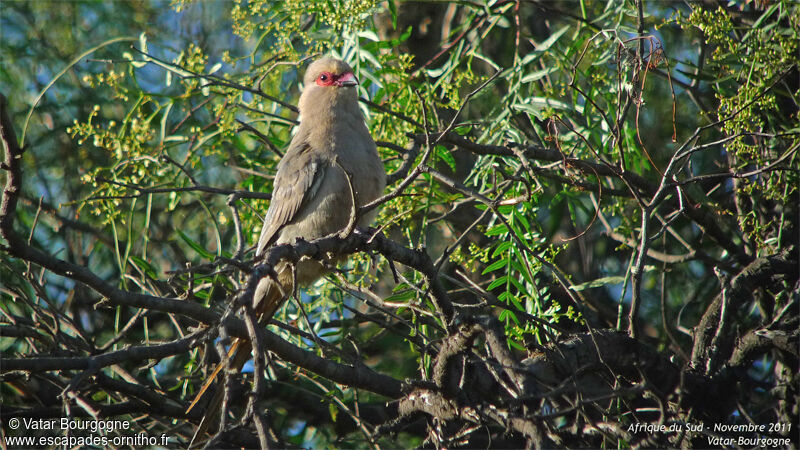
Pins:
x: 299, y: 176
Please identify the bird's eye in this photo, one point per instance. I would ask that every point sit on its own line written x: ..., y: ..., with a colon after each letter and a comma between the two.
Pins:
x: 325, y: 79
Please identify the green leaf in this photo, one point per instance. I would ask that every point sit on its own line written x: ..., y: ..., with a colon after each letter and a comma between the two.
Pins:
x: 496, y: 230
x: 445, y: 154
x: 501, y: 248
x: 368, y: 34
x: 195, y: 246
x: 145, y: 266
x: 164, y: 117
x: 547, y: 43
x: 522, y: 263
x: 401, y: 297
x: 333, y: 410
x: 143, y: 42
x: 498, y: 282
x: 519, y: 216
x: 600, y: 282
x: 539, y: 74
x: 506, y: 314
x: 518, y: 285
x: 495, y: 265
x: 516, y: 303
x: 516, y: 345
x: 536, y: 104
x: 393, y: 12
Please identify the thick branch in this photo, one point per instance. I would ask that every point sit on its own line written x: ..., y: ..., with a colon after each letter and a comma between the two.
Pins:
x: 757, y: 274
x: 138, y: 353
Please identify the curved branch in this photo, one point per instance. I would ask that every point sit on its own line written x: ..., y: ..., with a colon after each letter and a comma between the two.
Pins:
x: 740, y: 290
x: 42, y: 364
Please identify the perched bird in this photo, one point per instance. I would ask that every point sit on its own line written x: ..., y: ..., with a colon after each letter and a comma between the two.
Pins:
x: 330, y: 160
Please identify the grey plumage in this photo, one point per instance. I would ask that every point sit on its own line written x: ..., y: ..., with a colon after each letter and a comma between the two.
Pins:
x: 295, y: 186
x: 311, y: 196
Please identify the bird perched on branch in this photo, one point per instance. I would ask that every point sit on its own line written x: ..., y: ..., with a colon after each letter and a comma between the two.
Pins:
x: 331, y: 161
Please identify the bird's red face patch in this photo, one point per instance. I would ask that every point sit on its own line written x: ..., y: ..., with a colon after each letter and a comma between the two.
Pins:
x: 326, y: 79
x: 331, y: 79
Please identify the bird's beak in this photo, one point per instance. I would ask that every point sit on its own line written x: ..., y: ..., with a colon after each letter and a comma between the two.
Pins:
x: 347, y: 79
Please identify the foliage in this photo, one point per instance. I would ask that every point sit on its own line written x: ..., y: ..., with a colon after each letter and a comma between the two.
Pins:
x: 567, y: 167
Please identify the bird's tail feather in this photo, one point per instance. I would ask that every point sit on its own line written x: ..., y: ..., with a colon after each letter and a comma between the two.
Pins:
x: 207, y: 384
x: 239, y: 357
x: 239, y: 353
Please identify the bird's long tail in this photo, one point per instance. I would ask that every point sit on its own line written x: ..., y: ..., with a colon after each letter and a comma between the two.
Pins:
x: 239, y: 353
